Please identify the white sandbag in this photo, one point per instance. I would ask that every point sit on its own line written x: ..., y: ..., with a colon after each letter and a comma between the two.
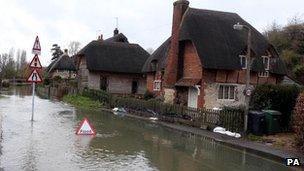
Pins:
x: 237, y: 135
x: 219, y: 129
x: 153, y: 118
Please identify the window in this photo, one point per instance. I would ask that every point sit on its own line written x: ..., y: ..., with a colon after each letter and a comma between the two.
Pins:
x: 243, y: 61
x: 103, y: 83
x: 157, y: 85
x: 264, y: 74
x: 266, y: 66
x: 226, y: 92
x: 266, y: 62
x: 154, y: 65
x: 134, y: 87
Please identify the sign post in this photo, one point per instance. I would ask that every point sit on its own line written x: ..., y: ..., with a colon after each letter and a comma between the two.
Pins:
x: 35, y: 76
x: 33, y: 100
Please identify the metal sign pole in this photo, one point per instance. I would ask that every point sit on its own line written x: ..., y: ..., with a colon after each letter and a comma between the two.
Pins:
x: 33, y: 94
x: 35, y: 77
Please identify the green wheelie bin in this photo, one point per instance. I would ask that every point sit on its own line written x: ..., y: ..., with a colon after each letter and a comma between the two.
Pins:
x: 273, y: 118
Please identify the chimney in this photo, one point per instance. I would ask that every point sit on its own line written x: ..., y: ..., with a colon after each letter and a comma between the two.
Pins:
x: 66, y: 51
x: 170, y: 76
x: 100, y: 38
x: 116, y: 31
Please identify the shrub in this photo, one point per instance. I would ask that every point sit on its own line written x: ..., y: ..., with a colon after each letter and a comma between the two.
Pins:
x: 276, y: 97
x: 46, y: 81
x: 81, y: 101
x: 5, y: 84
x: 298, y: 118
x: 148, y: 95
x: 100, y: 95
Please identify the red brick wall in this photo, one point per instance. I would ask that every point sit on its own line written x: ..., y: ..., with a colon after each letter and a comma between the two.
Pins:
x: 242, y: 77
x: 192, y: 64
x: 239, y: 77
x: 150, y: 80
x: 209, y: 76
x: 271, y: 79
x: 232, y: 76
x: 221, y: 76
x: 172, y: 61
x: 151, y: 77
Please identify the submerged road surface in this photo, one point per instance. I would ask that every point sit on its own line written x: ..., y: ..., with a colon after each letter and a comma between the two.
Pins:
x: 50, y: 143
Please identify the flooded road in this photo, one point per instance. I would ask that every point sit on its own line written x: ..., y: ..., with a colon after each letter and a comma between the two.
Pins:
x: 50, y: 143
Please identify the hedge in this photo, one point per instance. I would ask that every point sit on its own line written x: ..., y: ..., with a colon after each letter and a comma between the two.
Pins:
x: 276, y: 97
x: 298, y: 118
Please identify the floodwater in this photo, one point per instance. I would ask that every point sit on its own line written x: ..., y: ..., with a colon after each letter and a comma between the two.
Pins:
x: 50, y: 143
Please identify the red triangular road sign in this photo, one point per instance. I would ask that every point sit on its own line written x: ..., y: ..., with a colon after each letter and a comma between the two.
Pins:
x: 36, y: 48
x: 34, y: 77
x: 35, y: 62
x: 85, y: 128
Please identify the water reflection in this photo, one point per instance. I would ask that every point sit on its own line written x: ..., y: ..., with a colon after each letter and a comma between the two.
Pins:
x: 20, y: 91
x: 121, y: 143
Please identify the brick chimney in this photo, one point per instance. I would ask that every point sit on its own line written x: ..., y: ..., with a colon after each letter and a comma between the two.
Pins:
x: 170, y: 77
x: 100, y: 38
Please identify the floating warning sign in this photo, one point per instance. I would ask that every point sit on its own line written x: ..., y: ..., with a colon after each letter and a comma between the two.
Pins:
x: 36, y: 48
x: 34, y: 77
x: 35, y: 62
x: 85, y: 128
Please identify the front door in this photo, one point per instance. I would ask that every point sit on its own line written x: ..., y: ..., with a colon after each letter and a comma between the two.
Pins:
x: 192, y: 97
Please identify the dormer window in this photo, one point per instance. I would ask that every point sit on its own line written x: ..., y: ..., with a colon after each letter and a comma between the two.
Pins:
x: 154, y: 65
x: 243, y: 61
x: 266, y: 67
x: 266, y: 62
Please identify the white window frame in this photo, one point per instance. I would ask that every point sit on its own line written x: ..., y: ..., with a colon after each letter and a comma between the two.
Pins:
x: 157, y: 85
x: 266, y: 72
x: 267, y: 66
x: 229, y: 87
x: 246, y: 62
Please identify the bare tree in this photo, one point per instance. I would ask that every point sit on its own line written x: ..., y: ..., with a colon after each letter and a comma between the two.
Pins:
x: 74, y: 47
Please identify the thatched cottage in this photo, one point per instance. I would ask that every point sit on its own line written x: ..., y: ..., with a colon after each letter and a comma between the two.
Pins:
x: 113, y: 65
x: 203, y: 63
x: 62, y: 67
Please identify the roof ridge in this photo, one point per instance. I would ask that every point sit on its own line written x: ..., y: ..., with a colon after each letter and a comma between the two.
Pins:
x: 215, y: 11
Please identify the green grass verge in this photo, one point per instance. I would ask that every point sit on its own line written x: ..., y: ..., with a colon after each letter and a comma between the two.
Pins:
x: 82, y: 102
x: 252, y: 137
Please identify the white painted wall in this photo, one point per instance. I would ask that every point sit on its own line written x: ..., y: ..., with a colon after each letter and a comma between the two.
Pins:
x: 119, y: 84
x: 211, y: 96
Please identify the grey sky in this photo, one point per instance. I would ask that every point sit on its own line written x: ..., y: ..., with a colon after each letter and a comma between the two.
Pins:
x: 146, y: 22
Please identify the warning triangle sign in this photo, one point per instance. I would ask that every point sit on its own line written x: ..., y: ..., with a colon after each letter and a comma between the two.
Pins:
x: 34, y: 77
x: 85, y: 128
x: 35, y: 62
x: 36, y: 48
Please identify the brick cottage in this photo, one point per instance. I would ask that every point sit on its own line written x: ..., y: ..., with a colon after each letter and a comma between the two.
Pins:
x: 113, y: 65
x: 203, y: 63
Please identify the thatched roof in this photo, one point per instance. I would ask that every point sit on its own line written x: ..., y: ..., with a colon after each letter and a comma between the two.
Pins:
x: 118, y: 38
x: 64, y: 62
x: 217, y: 43
x: 160, y: 56
x: 114, y: 55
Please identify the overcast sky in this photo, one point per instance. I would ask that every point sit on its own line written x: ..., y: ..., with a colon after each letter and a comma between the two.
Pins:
x: 146, y: 22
